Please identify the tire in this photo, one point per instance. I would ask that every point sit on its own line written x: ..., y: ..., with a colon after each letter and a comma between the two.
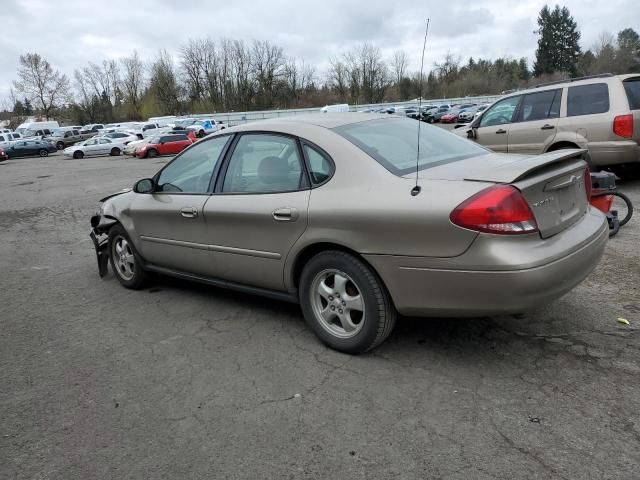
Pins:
x: 201, y: 134
x: 430, y: 120
x: 115, y: 151
x: 125, y: 261
x: 344, y: 278
x: 151, y: 153
x: 60, y: 145
x: 78, y: 154
x: 43, y: 153
x: 629, y: 205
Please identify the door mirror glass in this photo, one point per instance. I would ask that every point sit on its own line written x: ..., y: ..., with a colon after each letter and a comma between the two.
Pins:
x: 146, y: 185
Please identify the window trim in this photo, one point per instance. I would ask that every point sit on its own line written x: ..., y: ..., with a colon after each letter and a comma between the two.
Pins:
x: 214, y: 175
x: 520, y: 96
x: 608, y: 91
x: 307, y: 161
x: 521, y: 105
x: 305, y: 181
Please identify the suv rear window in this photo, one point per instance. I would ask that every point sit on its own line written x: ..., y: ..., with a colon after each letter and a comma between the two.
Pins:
x: 392, y: 143
x: 588, y: 99
x: 632, y: 87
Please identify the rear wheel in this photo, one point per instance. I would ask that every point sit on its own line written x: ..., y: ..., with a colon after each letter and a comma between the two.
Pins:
x: 78, y: 154
x: 60, y: 145
x: 201, y: 133
x: 622, y: 204
x: 43, y: 153
x: 115, y: 151
x: 345, y: 303
x: 152, y: 153
x: 125, y: 262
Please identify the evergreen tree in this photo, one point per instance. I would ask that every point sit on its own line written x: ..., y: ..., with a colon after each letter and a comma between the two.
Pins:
x: 525, y: 74
x: 18, y: 109
x: 558, y: 49
x: 28, y: 108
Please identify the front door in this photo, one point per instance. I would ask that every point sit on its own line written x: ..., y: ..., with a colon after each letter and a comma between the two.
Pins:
x: 259, y: 210
x: 493, y: 127
x: 170, y: 223
x: 536, y: 122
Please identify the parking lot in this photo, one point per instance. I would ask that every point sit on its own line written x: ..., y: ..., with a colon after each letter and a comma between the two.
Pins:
x: 188, y: 381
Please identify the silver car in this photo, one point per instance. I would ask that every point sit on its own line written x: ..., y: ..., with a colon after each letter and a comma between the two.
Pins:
x: 96, y: 146
x: 339, y: 213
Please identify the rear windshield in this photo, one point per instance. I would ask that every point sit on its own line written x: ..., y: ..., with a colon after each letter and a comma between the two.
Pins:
x: 588, y: 99
x: 393, y: 143
x: 632, y: 87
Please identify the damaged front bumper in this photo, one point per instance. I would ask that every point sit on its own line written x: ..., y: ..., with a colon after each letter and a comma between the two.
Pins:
x: 100, y: 226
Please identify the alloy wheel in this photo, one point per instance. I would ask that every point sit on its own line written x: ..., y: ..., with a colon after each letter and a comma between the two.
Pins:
x: 123, y: 258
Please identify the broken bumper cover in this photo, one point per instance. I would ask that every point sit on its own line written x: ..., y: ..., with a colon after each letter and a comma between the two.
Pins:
x: 100, y: 226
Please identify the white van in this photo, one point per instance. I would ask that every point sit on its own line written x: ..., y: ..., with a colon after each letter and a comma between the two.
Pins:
x: 342, y: 107
x: 163, y: 121
x: 33, y: 129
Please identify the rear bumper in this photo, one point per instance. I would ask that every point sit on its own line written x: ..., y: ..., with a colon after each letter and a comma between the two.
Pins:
x: 614, y: 153
x: 496, y: 275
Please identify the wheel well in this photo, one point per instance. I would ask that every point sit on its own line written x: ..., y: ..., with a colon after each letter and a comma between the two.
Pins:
x: 560, y: 145
x: 308, y: 252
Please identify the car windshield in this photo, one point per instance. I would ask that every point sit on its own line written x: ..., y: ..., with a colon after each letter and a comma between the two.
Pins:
x: 393, y: 143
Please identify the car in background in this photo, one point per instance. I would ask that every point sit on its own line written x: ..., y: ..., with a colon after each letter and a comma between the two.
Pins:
x: 342, y: 107
x: 164, y: 144
x: 64, y: 137
x: 599, y: 113
x: 30, y: 148
x: 95, y: 146
x: 291, y: 209
x: 206, y: 127
x: 442, y: 110
x: 6, y: 139
x: 37, y: 129
x: 468, y: 114
x: 5, y: 130
x: 123, y: 137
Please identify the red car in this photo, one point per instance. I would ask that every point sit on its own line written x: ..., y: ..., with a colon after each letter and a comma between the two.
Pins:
x: 450, y: 117
x: 3, y: 156
x: 166, y: 144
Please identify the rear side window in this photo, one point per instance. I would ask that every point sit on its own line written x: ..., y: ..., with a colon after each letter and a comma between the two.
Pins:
x: 540, y: 106
x: 587, y: 99
x: 320, y: 167
x: 632, y: 87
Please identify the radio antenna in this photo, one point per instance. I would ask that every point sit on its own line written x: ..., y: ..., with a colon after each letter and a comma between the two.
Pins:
x: 416, y: 189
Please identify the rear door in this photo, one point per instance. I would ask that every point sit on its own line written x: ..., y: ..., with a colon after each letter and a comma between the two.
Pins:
x: 536, y: 122
x: 259, y: 210
x: 493, y: 127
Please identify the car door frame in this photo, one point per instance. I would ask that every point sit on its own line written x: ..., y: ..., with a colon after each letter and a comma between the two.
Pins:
x: 475, y: 126
x: 535, y: 148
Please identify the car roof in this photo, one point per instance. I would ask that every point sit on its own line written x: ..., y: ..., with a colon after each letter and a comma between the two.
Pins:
x: 326, y: 120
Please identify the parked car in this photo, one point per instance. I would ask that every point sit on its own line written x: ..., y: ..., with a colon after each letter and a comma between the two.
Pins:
x: 292, y: 209
x: 164, y: 144
x: 95, y: 146
x: 342, y: 107
x: 436, y: 114
x: 6, y: 139
x: 34, y: 129
x: 63, y: 137
x: 599, y: 113
x: 30, y: 148
x: 5, y: 130
x: 3, y: 156
x: 206, y: 127
x: 451, y: 116
x: 123, y: 137
x: 467, y: 114
x: 131, y: 147
x: 92, y: 128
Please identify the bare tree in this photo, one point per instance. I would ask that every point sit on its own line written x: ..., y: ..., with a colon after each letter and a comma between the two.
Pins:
x: 133, y: 83
x: 268, y: 65
x: 87, y: 101
x: 164, y: 83
x: 399, y: 65
x: 338, y: 78
x: 40, y: 83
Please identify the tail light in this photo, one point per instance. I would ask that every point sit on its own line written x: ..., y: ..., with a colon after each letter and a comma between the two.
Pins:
x: 588, y: 185
x: 500, y: 209
x: 623, y: 126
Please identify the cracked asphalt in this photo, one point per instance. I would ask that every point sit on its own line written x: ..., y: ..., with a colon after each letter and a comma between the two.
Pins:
x: 187, y: 381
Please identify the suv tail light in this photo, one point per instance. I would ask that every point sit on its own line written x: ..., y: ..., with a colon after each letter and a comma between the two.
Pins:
x: 500, y: 209
x: 588, y: 185
x: 623, y: 126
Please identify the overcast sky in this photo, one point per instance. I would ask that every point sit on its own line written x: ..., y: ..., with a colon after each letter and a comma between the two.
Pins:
x: 69, y: 33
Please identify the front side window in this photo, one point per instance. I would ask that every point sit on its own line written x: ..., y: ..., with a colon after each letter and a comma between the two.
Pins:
x: 91, y: 142
x: 540, y: 106
x: 320, y: 167
x: 587, y: 99
x: 501, y: 113
x: 264, y: 163
x: 191, y: 172
x: 393, y: 143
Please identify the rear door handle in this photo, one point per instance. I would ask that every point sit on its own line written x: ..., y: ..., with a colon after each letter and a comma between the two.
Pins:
x: 547, y: 127
x: 189, y: 212
x: 501, y: 131
x: 285, y: 214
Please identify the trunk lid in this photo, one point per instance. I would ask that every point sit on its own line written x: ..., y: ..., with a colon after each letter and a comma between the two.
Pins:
x: 552, y: 183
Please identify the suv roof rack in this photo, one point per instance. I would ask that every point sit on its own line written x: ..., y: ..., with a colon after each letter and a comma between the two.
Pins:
x: 568, y: 80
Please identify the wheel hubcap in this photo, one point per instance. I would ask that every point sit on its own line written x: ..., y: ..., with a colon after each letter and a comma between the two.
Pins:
x: 337, y: 303
x: 123, y: 258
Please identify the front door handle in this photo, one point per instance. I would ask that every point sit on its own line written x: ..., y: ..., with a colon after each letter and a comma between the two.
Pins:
x: 285, y: 214
x: 547, y: 127
x: 501, y: 131
x: 189, y: 212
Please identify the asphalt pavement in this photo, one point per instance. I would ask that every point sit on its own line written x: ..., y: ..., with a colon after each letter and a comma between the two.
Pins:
x: 187, y: 381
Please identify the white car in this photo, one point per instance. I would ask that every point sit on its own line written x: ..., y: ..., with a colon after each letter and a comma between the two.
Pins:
x: 206, y: 126
x: 123, y: 137
x: 131, y: 147
x: 95, y: 146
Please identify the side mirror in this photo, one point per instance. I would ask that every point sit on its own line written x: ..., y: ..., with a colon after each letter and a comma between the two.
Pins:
x: 146, y: 185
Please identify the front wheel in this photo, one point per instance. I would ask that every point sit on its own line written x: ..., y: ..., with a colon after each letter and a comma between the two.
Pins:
x: 345, y: 303
x: 125, y: 262
x: 151, y: 153
x: 115, y: 151
x: 622, y: 204
x: 78, y: 154
x: 59, y: 145
x: 43, y: 153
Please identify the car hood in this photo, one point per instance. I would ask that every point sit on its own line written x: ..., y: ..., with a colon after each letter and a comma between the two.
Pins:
x: 496, y: 167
